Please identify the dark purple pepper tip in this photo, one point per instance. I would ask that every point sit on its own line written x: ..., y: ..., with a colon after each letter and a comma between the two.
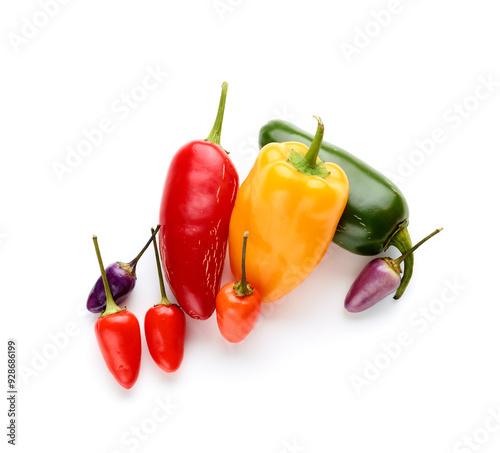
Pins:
x: 377, y: 280
x: 121, y: 282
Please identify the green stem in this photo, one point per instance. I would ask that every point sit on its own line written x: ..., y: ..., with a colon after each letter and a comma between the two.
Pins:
x: 133, y: 263
x: 312, y: 154
x: 398, y: 261
x: 164, y: 299
x: 214, y: 135
x: 402, y: 241
x: 308, y: 164
x: 242, y: 288
x: 111, y: 306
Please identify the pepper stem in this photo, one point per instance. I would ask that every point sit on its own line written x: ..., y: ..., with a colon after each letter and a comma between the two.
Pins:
x: 401, y: 241
x: 164, y: 298
x: 312, y: 154
x: 133, y: 264
x: 214, y: 135
x: 308, y: 164
x: 111, y: 306
x: 242, y: 288
x: 399, y: 260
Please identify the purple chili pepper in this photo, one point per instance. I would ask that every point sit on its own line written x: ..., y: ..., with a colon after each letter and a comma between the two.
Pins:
x: 121, y: 278
x: 379, y: 278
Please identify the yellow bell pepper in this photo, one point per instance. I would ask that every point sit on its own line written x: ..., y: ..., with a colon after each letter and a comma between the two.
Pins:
x: 290, y: 203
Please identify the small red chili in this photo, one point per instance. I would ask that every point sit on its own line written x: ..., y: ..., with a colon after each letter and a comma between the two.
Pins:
x: 165, y: 328
x: 118, y: 336
x: 238, y: 305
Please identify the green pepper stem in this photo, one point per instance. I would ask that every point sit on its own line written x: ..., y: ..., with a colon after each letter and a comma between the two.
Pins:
x: 214, y: 135
x: 133, y: 263
x: 164, y: 298
x: 111, y: 306
x: 399, y: 260
x: 402, y: 241
x: 311, y: 156
x: 242, y: 288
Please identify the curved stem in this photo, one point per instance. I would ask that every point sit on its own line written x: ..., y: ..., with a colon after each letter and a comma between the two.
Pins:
x: 402, y: 241
x: 242, y: 288
x: 214, y: 135
x: 312, y: 154
x: 133, y: 263
x: 111, y: 306
x: 164, y: 298
x: 399, y: 260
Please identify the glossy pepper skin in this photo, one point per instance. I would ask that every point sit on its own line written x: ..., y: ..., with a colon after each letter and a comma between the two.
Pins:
x: 292, y: 218
x: 379, y: 278
x: 376, y: 214
x: 238, y: 305
x: 198, y: 197
x: 165, y: 328
x: 119, y: 339
x: 119, y: 336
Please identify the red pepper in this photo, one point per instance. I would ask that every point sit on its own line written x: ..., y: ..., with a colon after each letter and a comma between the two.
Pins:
x: 165, y: 328
x: 198, y: 198
x: 118, y: 336
x: 238, y: 305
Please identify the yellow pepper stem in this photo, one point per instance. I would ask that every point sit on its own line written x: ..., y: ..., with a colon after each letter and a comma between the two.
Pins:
x: 309, y: 164
x: 312, y: 154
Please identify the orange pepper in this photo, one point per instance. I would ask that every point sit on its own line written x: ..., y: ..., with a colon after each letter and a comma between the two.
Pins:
x: 291, y: 203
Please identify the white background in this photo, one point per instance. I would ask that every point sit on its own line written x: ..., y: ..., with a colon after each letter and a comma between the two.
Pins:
x: 289, y: 387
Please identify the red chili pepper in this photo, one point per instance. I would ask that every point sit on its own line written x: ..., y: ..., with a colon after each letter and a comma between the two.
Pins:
x: 238, y: 305
x: 165, y: 328
x: 118, y: 336
x: 198, y: 198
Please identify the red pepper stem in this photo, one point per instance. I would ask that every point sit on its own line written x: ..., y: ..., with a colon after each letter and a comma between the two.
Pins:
x: 311, y: 156
x: 399, y: 260
x: 214, y: 135
x: 164, y: 299
x: 111, y: 306
x: 133, y: 263
x: 242, y: 288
